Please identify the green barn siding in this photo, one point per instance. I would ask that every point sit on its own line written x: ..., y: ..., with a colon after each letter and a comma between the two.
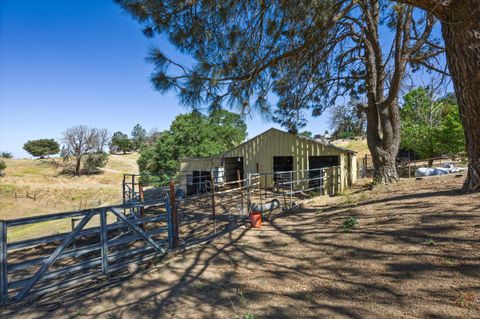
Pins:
x: 262, y: 148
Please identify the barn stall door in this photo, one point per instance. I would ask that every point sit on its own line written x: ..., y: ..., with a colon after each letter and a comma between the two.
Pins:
x: 316, y: 162
x: 231, y: 165
x: 282, y: 164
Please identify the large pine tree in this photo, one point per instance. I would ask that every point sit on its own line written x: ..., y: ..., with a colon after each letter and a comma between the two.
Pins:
x: 461, y: 32
x: 308, y: 53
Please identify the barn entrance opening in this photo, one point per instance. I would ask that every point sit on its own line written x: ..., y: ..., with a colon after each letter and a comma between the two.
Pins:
x: 231, y: 165
x: 315, y: 163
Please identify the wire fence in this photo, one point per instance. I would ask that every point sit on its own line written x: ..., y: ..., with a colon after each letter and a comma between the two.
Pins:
x: 406, y: 167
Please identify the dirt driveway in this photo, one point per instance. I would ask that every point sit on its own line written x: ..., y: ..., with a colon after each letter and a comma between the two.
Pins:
x: 415, y: 253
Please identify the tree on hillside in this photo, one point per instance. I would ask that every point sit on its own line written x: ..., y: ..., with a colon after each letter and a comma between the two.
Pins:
x: 461, y: 33
x: 6, y: 154
x: 139, y: 136
x: 307, y: 53
x: 346, y: 121
x: 306, y: 134
x: 103, y: 139
x: 192, y: 135
x: 152, y: 136
x: 431, y: 127
x: 94, y: 161
x: 120, y: 143
x: 79, y: 142
x: 42, y: 147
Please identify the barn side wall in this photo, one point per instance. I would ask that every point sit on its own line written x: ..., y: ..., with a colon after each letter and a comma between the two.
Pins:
x: 261, y: 150
x: 258, y: 156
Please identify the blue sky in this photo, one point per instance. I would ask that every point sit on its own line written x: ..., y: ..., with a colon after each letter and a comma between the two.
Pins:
x: 70, y: 62
x: 65, y: 63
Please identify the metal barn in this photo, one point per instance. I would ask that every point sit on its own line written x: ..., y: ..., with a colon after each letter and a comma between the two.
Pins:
x: 275, y: 151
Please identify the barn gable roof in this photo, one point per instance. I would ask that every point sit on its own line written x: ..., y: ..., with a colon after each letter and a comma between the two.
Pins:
x: 345, y: 150
x: 297, y: 136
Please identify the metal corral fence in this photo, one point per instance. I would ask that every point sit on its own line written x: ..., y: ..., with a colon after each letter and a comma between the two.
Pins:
x: 407, y: 167
x: 104, y: 240
x: 154, y: 220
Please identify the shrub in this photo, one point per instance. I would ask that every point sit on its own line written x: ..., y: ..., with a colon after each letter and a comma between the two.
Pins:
x: 95, y: 161
x: 6, y: 154
x: 2, y: 167
x: 42, y: 147
x: 349, y: 223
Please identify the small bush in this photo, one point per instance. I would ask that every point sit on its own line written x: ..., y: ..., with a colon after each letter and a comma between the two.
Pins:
x: 6, y: 154
x: 349, y: 223
x: 2, y: 165
x: 95, y: 161
x: 430, y: 242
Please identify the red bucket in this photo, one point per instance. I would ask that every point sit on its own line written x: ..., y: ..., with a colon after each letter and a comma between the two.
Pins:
x: 256, y: 219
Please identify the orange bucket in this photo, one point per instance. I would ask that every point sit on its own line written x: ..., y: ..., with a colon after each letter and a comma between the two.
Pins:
x: 256, y: 219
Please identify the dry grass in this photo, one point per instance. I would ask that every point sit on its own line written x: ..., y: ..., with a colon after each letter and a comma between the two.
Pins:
x: 37, y: 187
x: 359, y: 146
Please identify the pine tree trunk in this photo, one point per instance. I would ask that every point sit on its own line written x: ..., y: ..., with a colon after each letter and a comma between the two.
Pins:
x: 461, y: 32
x: 383, y: 138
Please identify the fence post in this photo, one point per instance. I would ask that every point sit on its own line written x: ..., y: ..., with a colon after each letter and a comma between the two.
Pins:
x: 173, y: 217
x: 3, y: 263
x: 212, y: 189
x: 249, y: 195
x: 168, y: 208
x: 338, y: 172
x: 291, y: 188
x: 329, y: 180
x: 260, y: 186
x: 123, y: 189
x: 240, y: 187
x: 142, y: 198
x: 320, y: 181
x: 132, y: 195
x: 104, y: 240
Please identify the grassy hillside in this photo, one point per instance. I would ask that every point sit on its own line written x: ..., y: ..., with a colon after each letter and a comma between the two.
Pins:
x: 37, y: 187
x: 359, y: 146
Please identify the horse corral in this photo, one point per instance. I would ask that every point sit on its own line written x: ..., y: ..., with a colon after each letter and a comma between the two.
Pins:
x: 153, y: 221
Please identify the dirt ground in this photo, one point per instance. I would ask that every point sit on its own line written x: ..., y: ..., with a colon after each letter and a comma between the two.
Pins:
x: 413, y: 254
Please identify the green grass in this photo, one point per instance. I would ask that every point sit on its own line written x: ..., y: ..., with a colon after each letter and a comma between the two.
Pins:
x: 349, y: 224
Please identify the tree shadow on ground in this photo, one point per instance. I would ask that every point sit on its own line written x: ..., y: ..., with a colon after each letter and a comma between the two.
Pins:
x: 411, y: 259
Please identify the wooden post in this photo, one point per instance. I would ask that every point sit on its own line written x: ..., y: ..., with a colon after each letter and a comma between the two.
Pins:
x: 173, y: 209
x: 3, y: 263
x: 212, y: 188
x: 240, y: 188
x: 140, y: 191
